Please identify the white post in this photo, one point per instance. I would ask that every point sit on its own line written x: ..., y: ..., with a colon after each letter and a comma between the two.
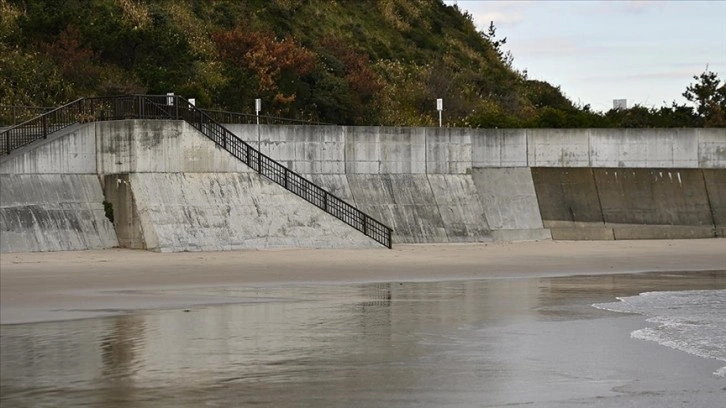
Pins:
x: 258, y: 108
x: 170, y: 98
x: 440, y: 108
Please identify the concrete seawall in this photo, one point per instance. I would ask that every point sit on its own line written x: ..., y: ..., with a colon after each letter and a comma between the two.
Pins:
x: 467, y: 185
x: 612, y: 203
x: 50, y: 197
x: 53, y: 212
x: 172, y: 189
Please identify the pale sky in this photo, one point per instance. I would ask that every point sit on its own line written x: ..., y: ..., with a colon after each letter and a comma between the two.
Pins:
x: 645, y: 51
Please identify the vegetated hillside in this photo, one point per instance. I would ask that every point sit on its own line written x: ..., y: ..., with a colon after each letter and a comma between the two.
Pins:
x: 375, y: 62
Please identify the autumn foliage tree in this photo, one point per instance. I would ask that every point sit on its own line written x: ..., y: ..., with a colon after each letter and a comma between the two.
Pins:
x: 270, y: 67
x: 362, y: 81
x: 77, y: 63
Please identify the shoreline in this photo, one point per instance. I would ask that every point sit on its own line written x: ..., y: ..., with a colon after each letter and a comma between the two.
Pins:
x: 41, y: 287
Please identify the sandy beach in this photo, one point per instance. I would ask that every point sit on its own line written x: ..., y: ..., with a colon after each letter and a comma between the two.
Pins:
x: 67, y: 285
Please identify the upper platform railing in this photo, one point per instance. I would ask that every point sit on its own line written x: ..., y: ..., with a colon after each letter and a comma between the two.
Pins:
x: 249, y: 119
x: 11, y: 115
x: 177, y: 108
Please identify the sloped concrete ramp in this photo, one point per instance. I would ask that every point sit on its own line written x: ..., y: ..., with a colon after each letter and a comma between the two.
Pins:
x: 53, y: 212
x: 222, y: 211
x: 405, y: 202
x: 509, y: 202
x: 460, y: 208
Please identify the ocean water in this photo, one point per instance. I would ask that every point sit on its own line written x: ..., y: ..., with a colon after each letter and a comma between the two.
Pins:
x: 693, y: 321
x: 479, y: 343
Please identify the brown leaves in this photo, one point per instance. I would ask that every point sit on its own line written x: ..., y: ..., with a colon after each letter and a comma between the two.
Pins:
x: 361, y: 78
x: 266, y: 56
x: 77, y: 63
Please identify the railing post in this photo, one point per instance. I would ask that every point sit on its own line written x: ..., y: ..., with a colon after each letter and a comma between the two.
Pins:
x: 365, y: 224
x: 7, y: 141
x: 45, y: 127
x: 325, y: 201
x: 286, y: 188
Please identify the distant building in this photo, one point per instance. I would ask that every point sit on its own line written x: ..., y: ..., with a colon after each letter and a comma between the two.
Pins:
x: 620, y: 104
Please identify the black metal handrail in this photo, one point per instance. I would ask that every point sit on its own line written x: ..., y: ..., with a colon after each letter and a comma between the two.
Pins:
x: 237, y: 118
x: 177, y: 108
x: 11, y: 115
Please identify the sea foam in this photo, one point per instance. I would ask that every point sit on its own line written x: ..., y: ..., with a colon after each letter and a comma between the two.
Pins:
x: 693, y: 321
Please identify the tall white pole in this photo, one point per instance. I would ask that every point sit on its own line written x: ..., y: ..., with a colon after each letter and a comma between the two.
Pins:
x: 258, y: 108
x: 440, y: 108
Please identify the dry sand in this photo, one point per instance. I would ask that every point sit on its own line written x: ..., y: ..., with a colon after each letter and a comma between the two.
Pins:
x: 67, y: 285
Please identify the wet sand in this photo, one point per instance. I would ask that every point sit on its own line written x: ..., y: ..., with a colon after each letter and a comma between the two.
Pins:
x: 69, y: 285
x: 459, y: 343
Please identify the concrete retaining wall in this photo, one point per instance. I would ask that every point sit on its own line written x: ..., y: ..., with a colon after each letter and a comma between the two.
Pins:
x: 68, y: 151
x: 181, y: 192
x: 148, y: 146
x: 630, y: 203
x: 569, y: 203
x: 404, y: 202
x: 53, y: 212
x: 461, y: 208
x: 655, y: 203
x: 715, y: 181
x: 420, y: 208
x: 455, y: 151
x: 496, y: 164
x: 223, y: 211
x: 607, y: 148
x: 173, y: 189
x: 50, y: 195
x: 509, y: 202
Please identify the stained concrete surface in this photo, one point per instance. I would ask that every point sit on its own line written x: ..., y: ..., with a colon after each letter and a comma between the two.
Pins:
x: 225, y: 211
x: 53, y: 212
x: 430, y: 184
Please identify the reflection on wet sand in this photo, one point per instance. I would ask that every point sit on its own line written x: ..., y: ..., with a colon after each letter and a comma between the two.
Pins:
x: 458, y: 343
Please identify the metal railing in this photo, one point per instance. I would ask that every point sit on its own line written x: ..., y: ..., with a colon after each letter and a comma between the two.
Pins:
x: 11, y: 115
x: 177, y: 108
x: 250, y: 119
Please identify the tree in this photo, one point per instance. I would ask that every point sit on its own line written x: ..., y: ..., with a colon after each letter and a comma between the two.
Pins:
x: 497, y: 43
x: 77, y: 63
x: 271, y: 67
x: 710, y: 98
